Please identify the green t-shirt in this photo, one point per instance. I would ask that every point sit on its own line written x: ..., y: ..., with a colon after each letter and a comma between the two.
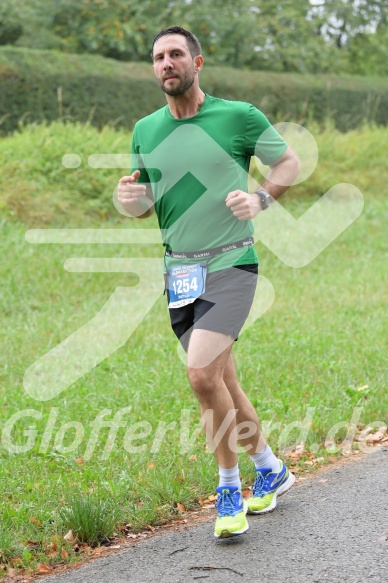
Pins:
x: 192, y: 164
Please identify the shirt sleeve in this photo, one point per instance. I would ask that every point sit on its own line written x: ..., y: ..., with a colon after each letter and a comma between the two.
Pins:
x: 262, y: 139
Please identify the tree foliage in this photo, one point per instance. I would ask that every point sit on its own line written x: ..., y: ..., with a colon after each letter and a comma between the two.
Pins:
x: 342, y: 20
x: 311, y: 36
x: 10, y: 27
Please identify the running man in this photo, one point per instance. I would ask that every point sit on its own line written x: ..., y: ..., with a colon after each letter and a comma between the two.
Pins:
x: 191, y: 162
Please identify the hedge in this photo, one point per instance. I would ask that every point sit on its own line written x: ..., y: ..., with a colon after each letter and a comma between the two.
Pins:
x: 39, y: 85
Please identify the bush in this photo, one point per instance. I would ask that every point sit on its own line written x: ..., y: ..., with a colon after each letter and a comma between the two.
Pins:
x: 37, y: 190
x: 40, y: 85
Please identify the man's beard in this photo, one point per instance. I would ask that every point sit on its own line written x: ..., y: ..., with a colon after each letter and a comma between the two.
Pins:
x: 180, y: 89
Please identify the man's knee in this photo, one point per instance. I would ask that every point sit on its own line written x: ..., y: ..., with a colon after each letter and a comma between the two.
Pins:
x: 202, y: 383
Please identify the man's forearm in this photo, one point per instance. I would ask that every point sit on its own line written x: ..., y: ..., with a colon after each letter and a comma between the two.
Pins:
x: 282, y: 175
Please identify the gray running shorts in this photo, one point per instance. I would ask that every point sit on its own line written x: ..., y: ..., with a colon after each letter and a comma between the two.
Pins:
x: 223, y: 307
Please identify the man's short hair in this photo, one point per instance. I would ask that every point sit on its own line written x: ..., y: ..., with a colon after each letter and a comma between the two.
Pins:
x: 192, y: 41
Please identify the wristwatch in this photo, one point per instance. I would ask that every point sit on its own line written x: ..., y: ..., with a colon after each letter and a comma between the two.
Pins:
x: 265, y: 198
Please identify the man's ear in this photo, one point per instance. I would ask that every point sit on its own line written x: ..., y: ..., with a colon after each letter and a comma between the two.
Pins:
x: 198, y: 62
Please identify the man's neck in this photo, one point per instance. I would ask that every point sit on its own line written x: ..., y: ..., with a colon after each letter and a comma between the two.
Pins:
x: 186, y: 105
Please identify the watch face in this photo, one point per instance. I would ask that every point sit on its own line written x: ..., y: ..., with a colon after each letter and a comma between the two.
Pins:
x: 265, y: 200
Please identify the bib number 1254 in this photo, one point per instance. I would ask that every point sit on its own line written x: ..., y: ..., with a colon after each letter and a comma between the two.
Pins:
x: 185, y: 284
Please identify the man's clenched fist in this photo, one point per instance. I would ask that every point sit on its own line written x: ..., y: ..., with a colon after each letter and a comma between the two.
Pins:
x: 243, y: 205
x: 132, y: 197
x: 128, y: 191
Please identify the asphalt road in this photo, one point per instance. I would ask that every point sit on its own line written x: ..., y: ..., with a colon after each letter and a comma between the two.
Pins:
x: 332, y: 528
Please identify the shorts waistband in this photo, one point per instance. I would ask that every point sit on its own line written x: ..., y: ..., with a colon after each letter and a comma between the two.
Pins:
x: 210, y: 252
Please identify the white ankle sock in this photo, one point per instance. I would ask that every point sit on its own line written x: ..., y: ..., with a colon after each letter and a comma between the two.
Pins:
x: 266, y: 459
x: 229, y: 477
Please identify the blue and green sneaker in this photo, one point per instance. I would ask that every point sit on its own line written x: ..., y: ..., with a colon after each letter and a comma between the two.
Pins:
x: 267, y: 486
x: 232, y: 508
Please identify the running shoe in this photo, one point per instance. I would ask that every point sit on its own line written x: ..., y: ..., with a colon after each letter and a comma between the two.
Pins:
x: 267, y: 486
x: 231, y: 508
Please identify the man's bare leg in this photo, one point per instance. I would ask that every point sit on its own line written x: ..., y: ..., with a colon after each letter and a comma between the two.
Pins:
x: 219, y: 393
x: 208, y: 354
x: 206, y: 376
x: 254, y: 441
x: 248, y: 426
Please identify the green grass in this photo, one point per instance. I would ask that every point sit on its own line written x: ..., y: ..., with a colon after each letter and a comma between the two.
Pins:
x: 91, y: 521
x: 320, y: 342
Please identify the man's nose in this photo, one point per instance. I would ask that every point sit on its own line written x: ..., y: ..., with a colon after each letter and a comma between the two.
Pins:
x: 167, y: 63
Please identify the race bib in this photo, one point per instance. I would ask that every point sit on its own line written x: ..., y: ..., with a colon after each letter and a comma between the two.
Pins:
x: 185, y: 284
